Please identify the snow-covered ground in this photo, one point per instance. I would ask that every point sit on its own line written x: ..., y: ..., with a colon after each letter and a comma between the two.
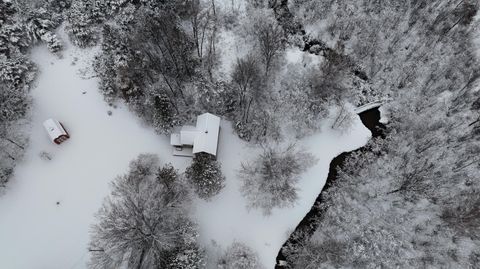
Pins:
x: 36, y: 232
x: 226, y: 219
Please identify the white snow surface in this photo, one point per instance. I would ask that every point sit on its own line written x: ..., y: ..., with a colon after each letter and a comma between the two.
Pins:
x: 35, y: 232
x: 225, y: 219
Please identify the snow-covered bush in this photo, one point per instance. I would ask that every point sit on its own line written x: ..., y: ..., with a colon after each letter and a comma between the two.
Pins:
x: 188, y: 259
x: 269, y: 180
x: 239, y: 256
x: 205, y: 175
x: 46, y: 156
x: 188, y: 254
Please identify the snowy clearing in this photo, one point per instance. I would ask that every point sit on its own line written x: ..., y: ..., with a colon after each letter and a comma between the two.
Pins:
x: 225, y: 219
x: 36, y: 232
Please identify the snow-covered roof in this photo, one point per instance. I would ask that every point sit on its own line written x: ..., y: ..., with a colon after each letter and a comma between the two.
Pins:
x: 208, y: 126
x: 203, y: 137
x: 368, y: 106
x: 175, y: 140
x: 54, y: 128
x: 188, y: 134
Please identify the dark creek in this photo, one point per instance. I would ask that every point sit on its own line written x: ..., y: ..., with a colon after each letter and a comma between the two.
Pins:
x: 307, y: 226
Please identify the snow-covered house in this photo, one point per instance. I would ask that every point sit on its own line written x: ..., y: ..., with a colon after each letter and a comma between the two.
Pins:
x: 56, y: 131
x: 200, y: 138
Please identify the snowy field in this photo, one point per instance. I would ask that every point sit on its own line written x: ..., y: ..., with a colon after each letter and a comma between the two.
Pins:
x: 36, y: 232
x: 226, y: 219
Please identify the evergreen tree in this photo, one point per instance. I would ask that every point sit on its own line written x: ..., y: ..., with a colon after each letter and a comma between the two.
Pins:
x: 80, y: 26
x: 163, y: 116
x: 205, y: 175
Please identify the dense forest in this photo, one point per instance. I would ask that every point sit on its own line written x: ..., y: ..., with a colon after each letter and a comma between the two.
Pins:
x: 411, y: 200
x: 22, y: 25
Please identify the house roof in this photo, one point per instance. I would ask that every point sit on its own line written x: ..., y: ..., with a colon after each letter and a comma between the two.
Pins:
x: 175, y: 140
x: 203, y: 137
x: 208, y: 127
x: 54, y: 129
x: 188, y: 134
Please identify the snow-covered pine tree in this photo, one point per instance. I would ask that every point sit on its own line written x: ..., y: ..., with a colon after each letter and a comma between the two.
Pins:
x: 53, y: 43
x: 80, y: 24
x: 17, y: 72
x: 163, y: 116
x: 7, y: 9
x: 13, y: 39
x: 205, y: 175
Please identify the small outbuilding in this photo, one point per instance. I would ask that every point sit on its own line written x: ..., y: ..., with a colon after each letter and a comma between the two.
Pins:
x: 56, y: 131
x: 200, y: 138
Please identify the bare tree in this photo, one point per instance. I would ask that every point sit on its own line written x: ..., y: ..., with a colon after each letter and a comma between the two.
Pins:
x: 270, y: 37
x: 246, y: 77
x: 343, y: 118
x: 269, y: 181
x: 142, y: 224
x: 203, y: 20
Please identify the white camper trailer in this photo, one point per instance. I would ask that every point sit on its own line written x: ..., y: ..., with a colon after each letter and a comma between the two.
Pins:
x: 56, y: 131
